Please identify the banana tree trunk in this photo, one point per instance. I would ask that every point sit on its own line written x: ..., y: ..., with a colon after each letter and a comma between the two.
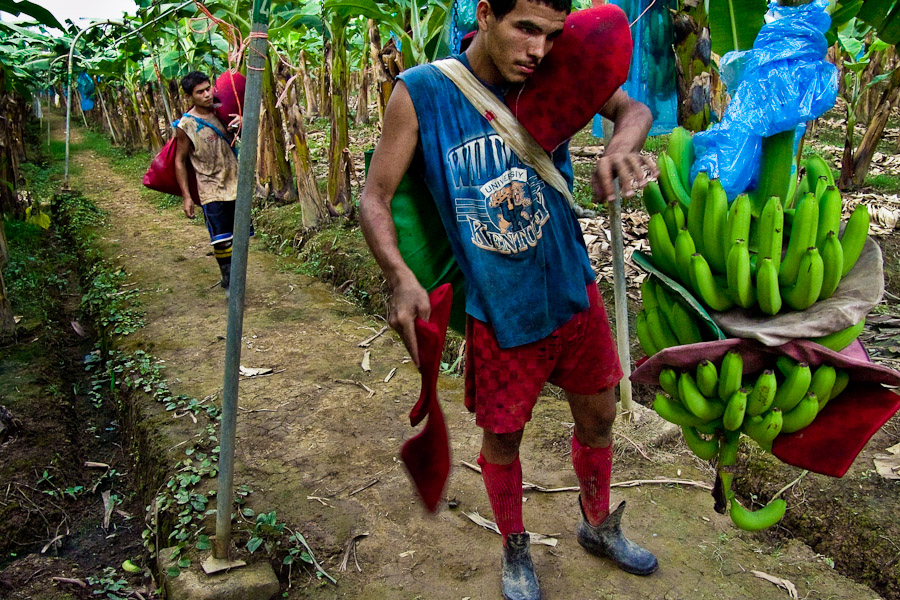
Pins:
x: 383, y: 80
x: 338, y: 164
x: 362, y: 98
x: 4, y: 247
x: 862, y: 158
x: 7, y: 320
x: 312, y: 210
x: 281, y: 183
x: 309, y: 87
x: 325, y: 81
x: 696, y: 78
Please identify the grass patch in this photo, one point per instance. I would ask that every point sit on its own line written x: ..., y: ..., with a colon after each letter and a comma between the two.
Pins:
x: 32, y: 279
x: 884, y: 182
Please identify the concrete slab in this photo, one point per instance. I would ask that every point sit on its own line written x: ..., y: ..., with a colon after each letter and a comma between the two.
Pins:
x: 256, y: 581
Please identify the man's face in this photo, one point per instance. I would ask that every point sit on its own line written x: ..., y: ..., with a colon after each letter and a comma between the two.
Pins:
x: 519, y: 41
x: 202, y: 95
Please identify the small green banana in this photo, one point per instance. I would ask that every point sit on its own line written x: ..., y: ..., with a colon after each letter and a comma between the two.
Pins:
x: 673, y: 412
x: 768, y: 294
x: 854, y: 237
x: 739, y: 219
x: 763, y: 429
x: 670, y: 181
x: 686, y: 329
x: 785, y: 364
x: 665, y: 305
x: 770, y: 232
x: 674, y: 217
x: 839, y: 340
x: 668, y: 381
x: 801, y: 415
x: 803, y: 235
x: 653, y: 198
x: 776, y: 161
x: 715, y: 218
x: 821, y: 186
x: 707, y: 378
x: 817, y: 167
x: 823, y: 380
x: 681, y: 149
x: 711, y: 427
x: 794, y: 387
x: 648, y: 294
x: 695, y: 401
x: 730, y: 373
x: 757, y: 520
x: 697, y: 209
x: 644, y: 336
x: 707, y: 287
x: 763, y: 393
x: 661, y: 248
x: 735, y: 410
x: 684, y: 249
x: 841, y: 379
x: 829, y: 214
x: 738, y: 275
x: 660, y: 332
x: 832, y: 263
x: 704, y: 449
x: 810, y: 278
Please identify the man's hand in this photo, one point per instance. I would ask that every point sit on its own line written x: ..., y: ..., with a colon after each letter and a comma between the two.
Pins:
x: 236, y: 122
x: 189, y: 207
x: 632, y: 169
x: 410, y: 301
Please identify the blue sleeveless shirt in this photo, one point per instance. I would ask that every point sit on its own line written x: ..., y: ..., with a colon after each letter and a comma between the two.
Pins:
x: 515, y: 238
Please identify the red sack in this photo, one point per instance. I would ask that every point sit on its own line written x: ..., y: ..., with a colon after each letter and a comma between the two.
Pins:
x: 161, y: 174
x: 230, y: 96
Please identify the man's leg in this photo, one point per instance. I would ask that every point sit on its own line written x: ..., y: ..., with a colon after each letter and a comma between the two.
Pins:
x: 502, y: 474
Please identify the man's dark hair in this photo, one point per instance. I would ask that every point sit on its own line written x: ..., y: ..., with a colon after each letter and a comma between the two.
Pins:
x: 192, y: 80
x: 501, y: 8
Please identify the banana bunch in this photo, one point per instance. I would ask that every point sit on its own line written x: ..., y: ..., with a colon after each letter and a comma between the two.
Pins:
x: 664, y: 320
x: 722, y: 402
x: 756, y: 252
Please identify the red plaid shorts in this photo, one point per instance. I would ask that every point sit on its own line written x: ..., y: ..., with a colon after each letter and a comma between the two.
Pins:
x: 503, y: 384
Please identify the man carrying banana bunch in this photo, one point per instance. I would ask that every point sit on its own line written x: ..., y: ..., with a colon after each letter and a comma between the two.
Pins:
x: 534, y: 311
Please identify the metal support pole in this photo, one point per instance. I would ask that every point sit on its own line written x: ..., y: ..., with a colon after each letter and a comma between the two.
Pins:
x: 69, y: 94
x: 256, y: 60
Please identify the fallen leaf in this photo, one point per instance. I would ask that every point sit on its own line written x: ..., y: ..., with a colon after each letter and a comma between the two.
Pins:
x: 535, y: 538
x: 888, y: 465
x: 365, y: 361
x: 253, y: 372
x: 77, y: 328
x: 782, y: 583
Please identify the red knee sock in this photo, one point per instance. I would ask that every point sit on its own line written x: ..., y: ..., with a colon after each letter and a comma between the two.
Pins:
x: 504, y: 490
x: 593, y: 467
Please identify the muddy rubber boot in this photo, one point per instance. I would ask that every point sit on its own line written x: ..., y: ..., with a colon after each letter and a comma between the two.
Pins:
x: 517, y: 578
x: 608, y: 541
x: 225, y: 268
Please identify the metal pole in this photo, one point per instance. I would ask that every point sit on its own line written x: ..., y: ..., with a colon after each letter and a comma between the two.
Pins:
x: 622, y: 337
x: 69, y: 94
x: 256, y: 59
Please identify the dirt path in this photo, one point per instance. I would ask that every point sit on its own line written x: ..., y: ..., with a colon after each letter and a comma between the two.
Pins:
x: 308, y: 444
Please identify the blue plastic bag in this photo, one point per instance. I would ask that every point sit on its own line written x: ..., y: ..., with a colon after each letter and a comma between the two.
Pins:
x: 85, y: 87
x: 781, y: 83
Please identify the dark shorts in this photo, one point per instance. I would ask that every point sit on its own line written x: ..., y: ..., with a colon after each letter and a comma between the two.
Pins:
x: 219, y: 217
x: 503, y: 384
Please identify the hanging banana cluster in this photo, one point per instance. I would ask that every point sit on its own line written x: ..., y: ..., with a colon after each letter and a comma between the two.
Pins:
x: 723, y: 402
x: 728, y: 256
x: 665, y: 321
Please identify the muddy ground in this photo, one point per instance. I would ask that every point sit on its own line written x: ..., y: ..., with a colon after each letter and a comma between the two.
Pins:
x: 323, y: 453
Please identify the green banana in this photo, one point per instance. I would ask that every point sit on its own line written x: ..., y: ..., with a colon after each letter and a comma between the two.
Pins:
x: 653, y: 198
x: 810, y: 278
x: 660, y: 332
x: 670, y: 182
x: 668, y: 381
x: 770, y: 232
x: 803, y: 235
x: 737, y: 272
x: 802, y: 190
x: 707, y: 287
x: 697, y: 209
x: 801, y: 415
x: 674, y: 217
x: 704, y: 449
x: 757, y: 520
x: 762, y: 395
x: 854, y: 237
x: 711, y: 427
x: 775, y: 168
x: 829, y: 214
x: 684, y: 249
x: 715, y: 218
x: 681, y: 149
x: 661, y: 248
x: 648, y: 294
x: 673, y: 412
x: 833, y: 265
x: 728, y: 448
x: 738, y: 222
x: 707, y: 378
x: 768, y: 294
x: 817, y: 167
x: 822, y: 383
x: 841, y: 380
x: 644, y: 336
x: 695, y: 401
x: 821, y: 186
x: 735, y: 410
x: 794, y: 387
x: 839, y: 340
x: 686, y: 329
x: 785, y: 364
x: 730, y: 373
x: 763, y: 429
x: 665, y: 305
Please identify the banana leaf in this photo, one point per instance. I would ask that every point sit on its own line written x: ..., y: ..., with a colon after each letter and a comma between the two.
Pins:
x: 734, y: 24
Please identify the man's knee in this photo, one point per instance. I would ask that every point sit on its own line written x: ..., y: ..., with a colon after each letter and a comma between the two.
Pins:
x: 594, y: 416
x: 500, y: 448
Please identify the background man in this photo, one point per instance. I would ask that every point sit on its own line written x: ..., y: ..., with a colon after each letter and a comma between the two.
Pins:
x: 204, y: 140
x: 535, y: 314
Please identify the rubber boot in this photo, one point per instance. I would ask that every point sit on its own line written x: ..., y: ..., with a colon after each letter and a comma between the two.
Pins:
x: 225, y: 268
x: 517, y: 577
x: 608, y: 541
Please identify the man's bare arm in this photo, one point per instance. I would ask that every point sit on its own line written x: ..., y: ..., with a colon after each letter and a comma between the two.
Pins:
x: 391, y: 159
x: 622, y: 156
x: 182, y: 154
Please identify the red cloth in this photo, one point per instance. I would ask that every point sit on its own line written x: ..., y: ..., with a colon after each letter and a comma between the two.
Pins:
x: 427, y: 454
x: 833, y: 441
x: 230, y: 94
x: 161, y: 174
